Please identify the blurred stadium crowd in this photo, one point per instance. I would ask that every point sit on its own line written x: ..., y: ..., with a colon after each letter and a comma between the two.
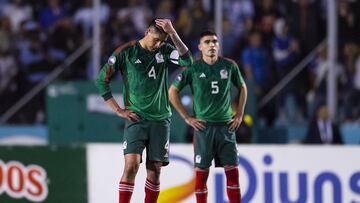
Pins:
x: 266, y: 37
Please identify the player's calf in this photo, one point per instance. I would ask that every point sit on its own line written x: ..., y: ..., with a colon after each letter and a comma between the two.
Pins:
x: 200, y: 185
x: 232, y: 184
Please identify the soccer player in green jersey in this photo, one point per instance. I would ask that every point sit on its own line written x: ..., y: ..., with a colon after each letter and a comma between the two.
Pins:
x: 210, y: 79
x: 143, y: 65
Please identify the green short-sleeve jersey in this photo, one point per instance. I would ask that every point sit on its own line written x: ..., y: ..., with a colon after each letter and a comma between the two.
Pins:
x: 145, y: 77
x: 211, y: 86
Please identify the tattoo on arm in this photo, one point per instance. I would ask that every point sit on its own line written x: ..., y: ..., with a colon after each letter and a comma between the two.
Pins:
x: 180, y: 46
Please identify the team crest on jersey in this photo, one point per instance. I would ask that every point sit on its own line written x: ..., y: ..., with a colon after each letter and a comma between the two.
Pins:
x: 198, y: 159
x: 125, y: 144
x: 159, y: 58
x: 223, y: 74
x: 112, y: 60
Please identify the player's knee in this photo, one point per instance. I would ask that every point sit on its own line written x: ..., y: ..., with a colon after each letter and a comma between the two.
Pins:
x: 153, y: 170
x: 154, y: 166
x: 131, y: 170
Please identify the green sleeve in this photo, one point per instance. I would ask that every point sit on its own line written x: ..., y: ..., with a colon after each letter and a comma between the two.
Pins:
x: 182, y: 79
x: 236, y: 77
x: 186, y: 59
x: 107, y: 72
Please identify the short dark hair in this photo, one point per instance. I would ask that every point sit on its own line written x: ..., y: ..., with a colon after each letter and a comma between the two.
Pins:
x: 207, y: 33
x: 156, y: 27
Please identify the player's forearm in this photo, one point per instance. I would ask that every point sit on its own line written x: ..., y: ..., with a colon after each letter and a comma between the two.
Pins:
x: 114, y: 105
x: 179, y: 44
x: 103, y: 81
x: 104, y: 88
x: 175, y: 101
x: 242, y: 100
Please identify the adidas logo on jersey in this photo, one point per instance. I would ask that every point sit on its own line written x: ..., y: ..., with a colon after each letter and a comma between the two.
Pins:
x: 202, y: 75
x: 138, y: 61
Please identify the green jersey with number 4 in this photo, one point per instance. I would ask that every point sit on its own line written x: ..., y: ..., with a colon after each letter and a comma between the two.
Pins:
x: 145, y: 77
x: 211, y: 86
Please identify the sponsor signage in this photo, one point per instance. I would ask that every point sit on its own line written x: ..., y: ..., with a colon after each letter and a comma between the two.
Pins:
x: 42, y: 174
x: 268, y: 174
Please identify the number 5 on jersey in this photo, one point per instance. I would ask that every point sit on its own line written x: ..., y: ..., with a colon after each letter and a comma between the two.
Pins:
x: 152, y: 73
x: 214, y: 87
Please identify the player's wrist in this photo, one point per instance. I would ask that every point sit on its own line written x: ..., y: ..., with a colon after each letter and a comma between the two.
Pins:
x: 172, y: 33
x: 119, y: 110
x: 239, y: 115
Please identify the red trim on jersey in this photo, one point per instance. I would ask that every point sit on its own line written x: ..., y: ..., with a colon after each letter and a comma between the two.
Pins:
x: 109, y: 72
x: 124, y: 46
x: 118, y: 50
x: 126, y: 91
x: 194, y: 144
x: 230, y: 60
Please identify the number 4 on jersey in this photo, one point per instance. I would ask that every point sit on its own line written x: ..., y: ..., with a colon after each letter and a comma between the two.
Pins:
x: 152, y: 73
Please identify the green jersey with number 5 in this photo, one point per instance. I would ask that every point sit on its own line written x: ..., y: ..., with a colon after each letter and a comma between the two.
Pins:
x: 211, y: 86
x: 145, y: 77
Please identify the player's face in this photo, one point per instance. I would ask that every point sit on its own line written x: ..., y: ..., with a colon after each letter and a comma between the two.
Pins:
x: 209, y: 45
x: 154, y: 39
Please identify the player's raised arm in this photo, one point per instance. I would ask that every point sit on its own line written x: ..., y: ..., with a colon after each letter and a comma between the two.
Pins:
x: 167, y: 26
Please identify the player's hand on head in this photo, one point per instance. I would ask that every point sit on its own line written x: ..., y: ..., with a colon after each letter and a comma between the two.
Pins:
x: 166, y: 25
x: 128, y: 114
x: 235, y: 123
x: 195, y: 123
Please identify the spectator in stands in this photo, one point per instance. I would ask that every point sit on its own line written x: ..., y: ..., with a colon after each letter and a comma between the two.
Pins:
x: 266, y: 15
x: 35, y: 65
x: 192, y: 20
x: 50, y: 15
x: 6, y: 35
x: 63, y: 40
x: 229, y: 39
x: 244, y: 37
x: 285, y: 50
x: 347, y: 22
x: 8, y: 68
x: 165, y: 9
x: 256, y: 64
x: 317, y: 78
x: 238, y: 11
x: 351, y: 61
x: 84, y: 16
x: 17, y: 11
x: 305, y: 24
x: 134, y: 18
x: 322, y: 130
